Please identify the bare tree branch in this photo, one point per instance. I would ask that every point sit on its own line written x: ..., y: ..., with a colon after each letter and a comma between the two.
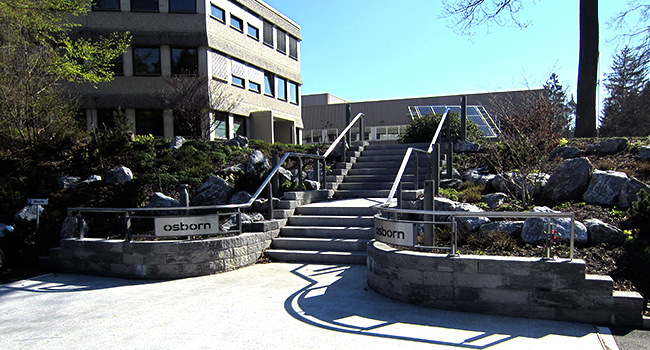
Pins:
x: 468, y: 15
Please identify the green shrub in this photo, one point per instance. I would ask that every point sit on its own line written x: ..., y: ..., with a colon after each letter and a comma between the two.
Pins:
x: 640, y: 216
x: 423, y: 129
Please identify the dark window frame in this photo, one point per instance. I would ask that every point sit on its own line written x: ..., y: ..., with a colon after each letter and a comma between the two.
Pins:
x: 282, y: 88
x: 267, y: 34
x: 293, y: 47
x: 257, y: 32
x: 254, y: 87
x: 281, y: 38
x: 223, y: 13
x: 181, y: 11
x: 237, y: 84
x: 193, y: 71
x: 97, y: 6
x: 157, y: 128
x: 239, y: 21
x: 269, y: 84
x: 157, y: 9
x: 118, y: 65
x: 157, y: 65
x: 297, y: 87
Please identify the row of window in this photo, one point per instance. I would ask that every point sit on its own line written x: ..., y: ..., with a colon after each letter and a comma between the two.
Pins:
x: 146, y: 61
x: 253, y: 32
x: 286, y: 90
x: 150, y: 122
x: 181, y: 6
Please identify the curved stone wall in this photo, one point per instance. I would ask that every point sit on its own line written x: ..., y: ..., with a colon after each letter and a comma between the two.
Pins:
x: 523, y: 287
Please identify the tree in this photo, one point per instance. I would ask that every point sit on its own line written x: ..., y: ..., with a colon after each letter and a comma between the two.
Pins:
x: 624, y: 111
x: 471, y: 14
x: 190, y: 98
x: 38, y: 54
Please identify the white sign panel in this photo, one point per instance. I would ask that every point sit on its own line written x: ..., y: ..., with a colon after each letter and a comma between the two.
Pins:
x: 36, y: 201
x: 398, y: 233
x: 186, y: 225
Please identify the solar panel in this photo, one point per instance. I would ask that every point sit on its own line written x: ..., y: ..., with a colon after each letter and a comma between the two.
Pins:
x: 476, y: 114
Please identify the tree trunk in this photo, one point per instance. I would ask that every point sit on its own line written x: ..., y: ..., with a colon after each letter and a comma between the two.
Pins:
x: 587, y: 69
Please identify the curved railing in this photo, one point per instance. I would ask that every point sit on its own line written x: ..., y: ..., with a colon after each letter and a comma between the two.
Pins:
x: 358, y: 118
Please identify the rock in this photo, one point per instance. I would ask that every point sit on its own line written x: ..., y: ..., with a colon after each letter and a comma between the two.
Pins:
x: 629, y: 193
x: 466, y: 146
x: 237, y: 141
x: 29, y: 213
x: 119, y: 175
x: 261, y: 205
x: 311, y: 175
x: 294, y: 175
x: 566, y: 152
x: 534, y: 229
x: 311, y: 185
x: 605, y: 187
x: 258, y: 164
x: 75, y: 228
x: 338, y: 153
x: 246, y: 220
x: 479, y: 176
x: 644, y: 153
x: 232, y: 170
x: 608, y: 146
x: 240, y: 197
x: 569, y: 182
x: 450, y: 183
x: 515, y: 183
x: 215, y: 191
x: 494, y: 200
x: 160, y: 200
x: 68, y: 182
x: 285, y: 175
x: 177, y: 142
x: 511, y: 228
x: 465, y: 223
x: 87, y: 182
x: 600, y: 232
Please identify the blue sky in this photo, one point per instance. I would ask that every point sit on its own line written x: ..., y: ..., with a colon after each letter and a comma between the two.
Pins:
x: 364, y: 50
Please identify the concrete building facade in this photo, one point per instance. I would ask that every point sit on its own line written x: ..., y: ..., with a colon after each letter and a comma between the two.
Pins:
x: 245, y: 48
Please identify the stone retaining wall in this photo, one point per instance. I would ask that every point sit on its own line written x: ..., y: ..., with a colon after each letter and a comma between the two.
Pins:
x: 167, y: 259
x: 522, y: 287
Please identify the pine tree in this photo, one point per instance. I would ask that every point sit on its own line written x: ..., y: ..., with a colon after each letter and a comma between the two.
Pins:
x: 623, y: 111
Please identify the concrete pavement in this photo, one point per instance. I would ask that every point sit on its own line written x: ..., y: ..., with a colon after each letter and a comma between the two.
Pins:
x: 266, y: 306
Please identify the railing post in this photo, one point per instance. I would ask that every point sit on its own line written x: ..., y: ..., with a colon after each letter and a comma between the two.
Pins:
x: 300, y: 174
x: 270, y: 201
x: 316, y: 163
x: 185, y: 198
x: 324, y: 173
x: 463, y: 118
x: 436, y: 167
x: 362, y: 129
x: 429, y: 238
x: 450, y: 160
x: 348, y: 118
x: 416, y: 180
x: 276, y: 178
x: 454, y: 237
x: 127, y: 224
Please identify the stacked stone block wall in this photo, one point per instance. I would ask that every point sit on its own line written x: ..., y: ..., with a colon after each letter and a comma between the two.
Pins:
x: 523, y: 287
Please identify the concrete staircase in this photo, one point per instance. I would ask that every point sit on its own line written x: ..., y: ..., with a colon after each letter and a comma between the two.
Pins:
x: 338, y: 231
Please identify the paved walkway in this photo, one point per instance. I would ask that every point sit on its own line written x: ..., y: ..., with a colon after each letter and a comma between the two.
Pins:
x: 269, y: 306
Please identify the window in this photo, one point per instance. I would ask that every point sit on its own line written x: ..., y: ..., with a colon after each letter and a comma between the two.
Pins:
x: 268, y: 33
x: 106, y: 5
x: 218, y: 13
x: 149, y: 122
x: 144, y: 5
x: 146, y: 61
x: 237, y: 81
x: 185, y: 61
x: 118, y: 65
x: 293, y: 92
x: 282, y: 41
x: 219, y: 126
x: 106, y: 118
x: 293, y: 47
x: 253, y: 32
x: 255, y: 87
x: 282, y: 89
x: 186, y: 6
x: 269, y: 87
x: 239, y: 126
x: 237, y: 23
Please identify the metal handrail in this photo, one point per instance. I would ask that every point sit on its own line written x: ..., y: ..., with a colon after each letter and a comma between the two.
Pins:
x: 238, y: 207
x: 484, y: 214
x: 407, y: 156
x: 342, y: 134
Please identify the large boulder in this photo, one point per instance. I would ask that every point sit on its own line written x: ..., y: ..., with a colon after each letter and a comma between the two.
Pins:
x: 494, y: 200
x: 605, y: 187
x: 285, y: 175
x: 511, y: 228
x: 240, y: 197
x: 237, y: 141
x: 119, y: 175
x: 644, y: 152
x: 466, y: 147
x: 215, y: 191
x: 600, y: 232
x: 479, y: 176
x: 608, y: 146
x: 534, y: 229
x: 246, y: 220
x: 566, y: 152
x: 29, y: 213
x: 68, y: 182
x: 629, y: 193
x: 160, y: 200
x: 569, y: 182
x: 177, y: 142
x: 258, y: 164
x: 238, y: 169
x: 465, y: 223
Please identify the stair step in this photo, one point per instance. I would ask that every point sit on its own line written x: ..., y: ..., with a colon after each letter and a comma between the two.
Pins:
x: 331, y: 220
x: 404, y: 146
x: 311, y: 256
x: 327, y: 232
x: 331, y: 210
x: 407, y: 195
x: 375, y: 185
x: 320, y: 244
